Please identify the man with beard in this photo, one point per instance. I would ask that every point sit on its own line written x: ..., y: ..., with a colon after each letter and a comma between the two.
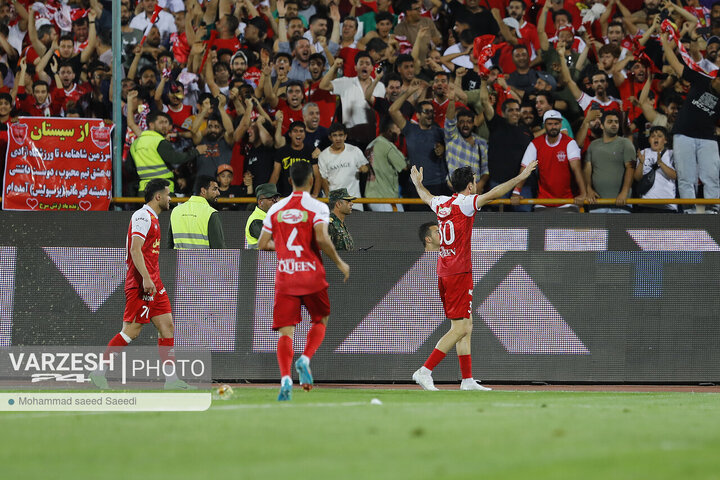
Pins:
x: 694, y: 143
x: 17, y: 26
x: 317, y: 33
x: 218, y: 138
x: 291, y: 105
x: 356, y: 114
x: 558, y: 162
x: 640, y: 18
x: 195, y: 224
x: 545, y: 101
x: 153, y: 156
x: 610, y: 165
x: 66, y: 88
x: 711, y: 61
x: 324, y: 100
x: 425, y: 145
x: 316, y: 136
x: 300, y: 51
x: 386, y: 161
x: 507, y: 143
x: 410, y: 27
x: 440, y: 98
x: 528, y: 32
x: 463, y: 148
x: 631, y: 86
x: 130, y: 36
x: 392, y: 92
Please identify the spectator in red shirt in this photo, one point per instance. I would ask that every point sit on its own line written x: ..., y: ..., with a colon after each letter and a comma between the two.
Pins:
x: 291, y: 105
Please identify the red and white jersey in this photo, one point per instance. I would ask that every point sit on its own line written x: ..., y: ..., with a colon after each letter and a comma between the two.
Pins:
x: 586, y: 101
x: 455, y: 215
x: 291, y: 222
x: 554, y: 174
x: 144, y: 224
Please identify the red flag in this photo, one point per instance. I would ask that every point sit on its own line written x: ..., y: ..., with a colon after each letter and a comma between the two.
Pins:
x: 153, y: 21
x: 669, y: 27
x: 483, y: 50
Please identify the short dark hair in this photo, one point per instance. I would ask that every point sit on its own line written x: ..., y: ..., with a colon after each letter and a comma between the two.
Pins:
x: 420, y: 105
x: 562, y: 11
x: 441, y: 73
x: 464, y: 112
x: 403, y: 58
x: 39, y: 83
x: 424, y: 231
x: 155, y: 114
x: 520, y: 46
x: 46, y: 29
x: 392, y: 77
x: 380, y: 16
x: 658, y: 128
x: 204, y: 181
x: 507, y: 103
x: 283, y: 54
x: 294, y: 42
x: 548, y: 96
x: 154, y: 186
x: 232, y: 22
x: 67, y: 37
x: 613, y: 50
x: 616, y: 23
x: 362, y: 54
x: 315, y: 18
x: 317, y: 57
x: 294, y: 83
x: 7, y: 97
x: 337, y: 127
x: 300, y: 173
x: 461, y: 178
x: 376, y: 44
x: 612, y: 113
x: 296, y: 123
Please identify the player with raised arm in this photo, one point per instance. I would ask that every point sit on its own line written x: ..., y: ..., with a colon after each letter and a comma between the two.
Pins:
x: 145, y: 297
x: 297, y: 228
x: 456, y: 215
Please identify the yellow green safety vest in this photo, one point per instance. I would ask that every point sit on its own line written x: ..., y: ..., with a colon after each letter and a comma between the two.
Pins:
x: 148, y: 162
x: 257, y: 214
x: 189, y: 223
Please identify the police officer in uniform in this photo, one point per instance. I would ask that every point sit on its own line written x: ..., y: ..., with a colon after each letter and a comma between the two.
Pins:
x: 195, y: 224
x: 267, y: 195
x: 341, y: 204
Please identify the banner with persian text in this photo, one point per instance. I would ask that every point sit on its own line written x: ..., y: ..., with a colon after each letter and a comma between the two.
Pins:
x: 58, y: 164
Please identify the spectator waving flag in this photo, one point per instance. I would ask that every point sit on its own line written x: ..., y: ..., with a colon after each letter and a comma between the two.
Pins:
x: 153, y: 20
x: 669, y: 27
x: 483, y: 50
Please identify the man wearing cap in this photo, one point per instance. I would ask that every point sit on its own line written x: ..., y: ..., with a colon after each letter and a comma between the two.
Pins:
x: 195, y: 224
x: 341, y: 204
x: 558, y: 162
x: 267, y: 195
x: 225, y: 174
x: 711, y: 61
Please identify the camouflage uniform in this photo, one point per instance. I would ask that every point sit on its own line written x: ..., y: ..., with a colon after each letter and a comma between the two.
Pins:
x: 339, y: 234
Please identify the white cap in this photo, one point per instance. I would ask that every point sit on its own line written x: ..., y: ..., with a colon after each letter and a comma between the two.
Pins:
x: 512, y: 23
x: 552, y: 114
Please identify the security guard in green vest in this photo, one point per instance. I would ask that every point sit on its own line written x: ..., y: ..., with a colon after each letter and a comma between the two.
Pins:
x: 154, y: 156
x: 195, y: 224
x: 267, y: 195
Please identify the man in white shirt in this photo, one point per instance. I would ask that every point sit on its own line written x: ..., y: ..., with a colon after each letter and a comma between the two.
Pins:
x: 165, y: 22
x: 340, y: 164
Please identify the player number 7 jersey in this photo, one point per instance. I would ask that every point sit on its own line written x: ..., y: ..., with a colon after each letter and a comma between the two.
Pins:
x: 456, y: 216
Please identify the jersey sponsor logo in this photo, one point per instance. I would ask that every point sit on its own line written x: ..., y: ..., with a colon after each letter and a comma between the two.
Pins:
x: 156, y: 246
x: 447, y: 252
x: 444, y: 211
x: 291, y: 266
x: 292, y: 216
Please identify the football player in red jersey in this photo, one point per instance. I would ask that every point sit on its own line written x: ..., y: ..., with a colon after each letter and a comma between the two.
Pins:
x: 145, y: 297
x: 297, y: 228
x: 456, y: 215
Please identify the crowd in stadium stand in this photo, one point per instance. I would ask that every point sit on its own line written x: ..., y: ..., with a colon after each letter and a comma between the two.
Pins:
x: 615, y: 99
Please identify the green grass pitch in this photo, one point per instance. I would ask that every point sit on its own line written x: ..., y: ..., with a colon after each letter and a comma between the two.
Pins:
x: 332, y: 433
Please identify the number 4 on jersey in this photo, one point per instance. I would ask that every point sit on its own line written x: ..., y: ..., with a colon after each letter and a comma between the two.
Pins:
x: 292, y: 247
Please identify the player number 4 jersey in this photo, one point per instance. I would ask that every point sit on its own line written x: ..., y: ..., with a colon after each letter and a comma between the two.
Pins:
x: 144, y: 224
x: 455, y: 215
x: 291, y: 223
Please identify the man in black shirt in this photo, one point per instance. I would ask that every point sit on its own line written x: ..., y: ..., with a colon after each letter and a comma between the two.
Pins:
x: 507, y: 143
x: 287, y: 154
x: 695, y: 148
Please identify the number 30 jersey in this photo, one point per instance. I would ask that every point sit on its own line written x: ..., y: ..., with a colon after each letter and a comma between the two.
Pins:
x: 455, y: 215
x: 291, y: 223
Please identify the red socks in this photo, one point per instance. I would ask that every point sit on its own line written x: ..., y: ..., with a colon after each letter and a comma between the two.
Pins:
x: 465, y: 366
x: 166, y: 349
x: 314, y: 338
x: 116, y: 344
x: 435, y: 357
x: 285, y: 354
